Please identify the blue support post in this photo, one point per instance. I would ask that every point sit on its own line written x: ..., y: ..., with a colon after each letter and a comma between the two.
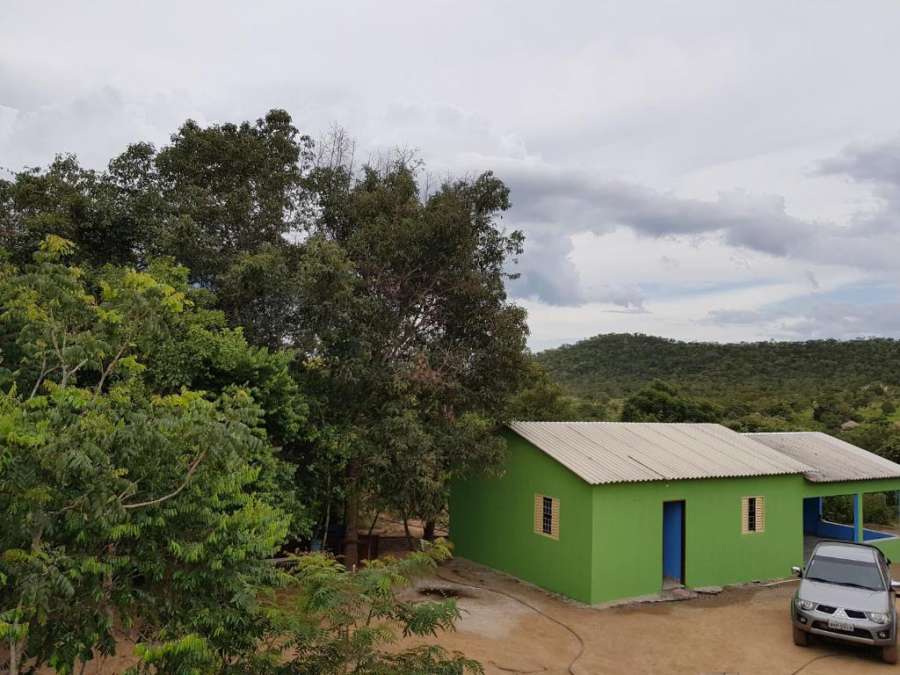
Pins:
x: 857, y: 518
x: 821, y: 501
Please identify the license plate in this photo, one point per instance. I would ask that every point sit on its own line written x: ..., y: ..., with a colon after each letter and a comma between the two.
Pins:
x: 840, y: 625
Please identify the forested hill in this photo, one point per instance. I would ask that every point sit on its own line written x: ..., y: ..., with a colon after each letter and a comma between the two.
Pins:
x: 616, y: 365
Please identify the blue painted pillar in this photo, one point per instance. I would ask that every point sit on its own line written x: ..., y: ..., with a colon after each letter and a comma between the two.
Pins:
x: 857, y: 518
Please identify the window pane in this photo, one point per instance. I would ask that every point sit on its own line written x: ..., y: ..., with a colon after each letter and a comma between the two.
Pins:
x: 547, y: 523
x: 751, y: 514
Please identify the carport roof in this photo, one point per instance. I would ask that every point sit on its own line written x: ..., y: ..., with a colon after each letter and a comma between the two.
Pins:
x: 830, y: 459
x: 622, y: 452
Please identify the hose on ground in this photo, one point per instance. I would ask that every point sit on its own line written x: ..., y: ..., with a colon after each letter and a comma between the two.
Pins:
x: 571, y: 666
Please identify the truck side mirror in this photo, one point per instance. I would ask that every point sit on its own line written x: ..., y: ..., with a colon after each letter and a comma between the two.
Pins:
x: 798, y: 572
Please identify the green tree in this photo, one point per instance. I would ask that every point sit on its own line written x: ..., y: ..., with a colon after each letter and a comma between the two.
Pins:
x: 661, y: 402
x: 403, y: 301
x: 223, y: 200
x: 123, y: 507
x: 542, y: 399
x: 393, y: 299
x: 136, y: 504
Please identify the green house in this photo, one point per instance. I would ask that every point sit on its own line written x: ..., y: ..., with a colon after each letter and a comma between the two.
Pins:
x: 600, y: 511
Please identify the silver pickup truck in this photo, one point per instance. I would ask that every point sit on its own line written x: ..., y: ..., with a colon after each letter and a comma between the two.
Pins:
x: 846, y: 593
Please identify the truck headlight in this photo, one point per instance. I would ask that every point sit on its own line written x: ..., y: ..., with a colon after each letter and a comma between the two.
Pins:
x: 806, y: 604
x: 877, y: 617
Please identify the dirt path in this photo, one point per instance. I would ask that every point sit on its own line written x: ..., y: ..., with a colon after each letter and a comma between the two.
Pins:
x: 512, y: 627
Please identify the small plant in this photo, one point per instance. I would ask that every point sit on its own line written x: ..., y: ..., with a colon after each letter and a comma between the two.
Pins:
x: 346, y: 622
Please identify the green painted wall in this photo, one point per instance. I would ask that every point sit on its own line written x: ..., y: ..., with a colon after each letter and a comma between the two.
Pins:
x: 627, y: 537
x: 492, y: 522
x: 610, y: 543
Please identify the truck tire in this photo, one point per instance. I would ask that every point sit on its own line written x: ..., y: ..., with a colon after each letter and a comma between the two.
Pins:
x: 889, y: 654
x: 801, y: 637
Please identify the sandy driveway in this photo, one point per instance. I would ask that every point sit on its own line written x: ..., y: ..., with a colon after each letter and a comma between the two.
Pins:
x: 512, y: 627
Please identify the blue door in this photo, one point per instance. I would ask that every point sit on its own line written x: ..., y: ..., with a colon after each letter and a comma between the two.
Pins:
x: 673, y: 542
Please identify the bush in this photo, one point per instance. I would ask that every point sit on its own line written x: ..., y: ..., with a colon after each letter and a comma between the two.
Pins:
x: 877, y: 510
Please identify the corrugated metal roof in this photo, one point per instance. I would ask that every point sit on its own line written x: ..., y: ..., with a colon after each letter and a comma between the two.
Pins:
x: 620, y: 452
x: 829, y: 458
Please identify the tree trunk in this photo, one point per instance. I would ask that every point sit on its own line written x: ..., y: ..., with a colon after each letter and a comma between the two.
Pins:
x: 351, y: 518
x: 13, y: 656
x: 374, y: 522
x: 327, y: 513
x: 428, y: 533
x: 409, y: 539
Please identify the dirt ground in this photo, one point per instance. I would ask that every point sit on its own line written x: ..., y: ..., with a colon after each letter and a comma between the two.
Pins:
x: 512, y: 627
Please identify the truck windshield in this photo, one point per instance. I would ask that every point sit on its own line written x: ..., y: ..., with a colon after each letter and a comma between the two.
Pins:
x: 845, y: 572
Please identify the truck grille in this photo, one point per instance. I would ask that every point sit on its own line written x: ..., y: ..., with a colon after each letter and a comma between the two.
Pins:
x: 857, y: 632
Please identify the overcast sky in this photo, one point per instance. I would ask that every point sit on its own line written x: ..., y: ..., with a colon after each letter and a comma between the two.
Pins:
x: 713, y: 169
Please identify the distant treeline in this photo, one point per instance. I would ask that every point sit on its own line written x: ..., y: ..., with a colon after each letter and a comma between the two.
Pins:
x: 617, y: 365
x: 850, y: 389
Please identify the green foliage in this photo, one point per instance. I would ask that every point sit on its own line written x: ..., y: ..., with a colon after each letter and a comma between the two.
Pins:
x: 838, y: 509
x: 661, y: 402
x: 832, y: 412
x: 880, y: 508
x: 187, y: 655
x: 209, y: 346
x: 124, y: 506
x: 765, y: 386
x: 617, y: 365
x: 393, y: 299
x: 417, y: 348
x: 542, y: 399
x: 347, y: 622
x: 219, y: 200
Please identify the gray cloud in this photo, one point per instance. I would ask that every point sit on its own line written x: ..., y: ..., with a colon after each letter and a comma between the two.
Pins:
x: 547, y: 272
x: 568, y: 202
x: 811, y: 278
x: 96, y: 125
x: 580, y: 203
x: 877, y: 163
x: 818, y: 320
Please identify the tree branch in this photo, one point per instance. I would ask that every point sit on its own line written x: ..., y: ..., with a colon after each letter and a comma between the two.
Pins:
x: 108, y: 369
x: 191, y: 469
